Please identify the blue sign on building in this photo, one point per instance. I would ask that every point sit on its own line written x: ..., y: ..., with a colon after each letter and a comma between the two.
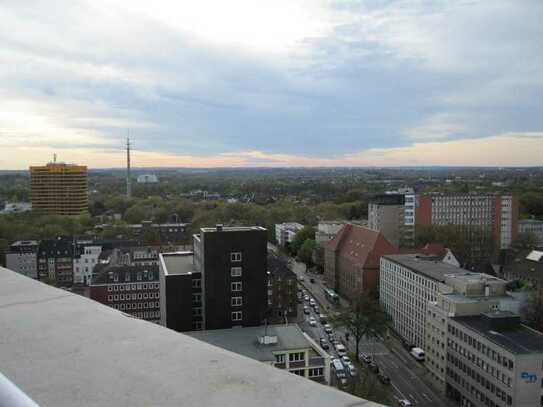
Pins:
x: 528, y: 377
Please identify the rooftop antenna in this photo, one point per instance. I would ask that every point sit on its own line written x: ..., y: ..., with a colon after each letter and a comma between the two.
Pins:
x: 128, y: 183
x: 54, y: 158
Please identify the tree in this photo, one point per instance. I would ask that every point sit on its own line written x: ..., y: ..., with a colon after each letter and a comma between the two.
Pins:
x: 305, y: 254
x: 369, y: 388
x: 365, y: 318
x: 534, y: 311
x: 307, y: 232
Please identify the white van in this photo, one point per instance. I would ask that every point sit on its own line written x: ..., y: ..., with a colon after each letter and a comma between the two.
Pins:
x: 418, y: 354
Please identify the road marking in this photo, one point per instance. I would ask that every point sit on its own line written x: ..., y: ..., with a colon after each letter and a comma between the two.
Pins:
x: 398, y: 390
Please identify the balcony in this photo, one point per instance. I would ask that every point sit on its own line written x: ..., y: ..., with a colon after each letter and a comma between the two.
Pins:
x: 61, y: 349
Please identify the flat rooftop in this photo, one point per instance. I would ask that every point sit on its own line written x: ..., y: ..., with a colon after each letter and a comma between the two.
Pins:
x: 232, y: 229
x: 429, y: 266
x: 177, y: 263
x: 516, y: 338
x: 244, y: 341
x: 65, y: 350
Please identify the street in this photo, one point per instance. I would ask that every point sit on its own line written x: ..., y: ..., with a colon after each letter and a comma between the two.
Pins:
x: 405, y: 373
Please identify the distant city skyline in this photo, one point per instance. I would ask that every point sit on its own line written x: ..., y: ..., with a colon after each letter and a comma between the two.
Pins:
x: 288, y: 83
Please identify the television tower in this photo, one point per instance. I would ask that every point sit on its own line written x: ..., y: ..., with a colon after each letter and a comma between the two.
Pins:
x: 128, y: 183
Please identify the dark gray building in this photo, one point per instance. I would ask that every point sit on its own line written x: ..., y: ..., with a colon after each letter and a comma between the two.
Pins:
x: 225, y: 284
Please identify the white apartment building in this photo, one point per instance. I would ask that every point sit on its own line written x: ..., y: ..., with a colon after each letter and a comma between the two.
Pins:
x: 407, y: 282
x: 84, y: 263
x: 285, y: 232
x: 147, y: 179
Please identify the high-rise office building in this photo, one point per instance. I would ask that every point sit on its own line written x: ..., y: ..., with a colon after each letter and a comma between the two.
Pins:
x: 59, y: 189
x: 223, y: 286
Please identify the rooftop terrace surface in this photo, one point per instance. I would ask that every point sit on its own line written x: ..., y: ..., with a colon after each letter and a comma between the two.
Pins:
x: 65, y: 350
x: 178, y: 263
x: 434, y: 269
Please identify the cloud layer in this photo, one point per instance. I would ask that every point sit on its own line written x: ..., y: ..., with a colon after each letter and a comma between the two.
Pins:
x: 278, y: 83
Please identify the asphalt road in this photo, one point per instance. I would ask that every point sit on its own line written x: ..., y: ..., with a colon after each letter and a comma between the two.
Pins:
x: 404, y: 372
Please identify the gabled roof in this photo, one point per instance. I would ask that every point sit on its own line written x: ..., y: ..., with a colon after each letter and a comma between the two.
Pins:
x: 361, y: 245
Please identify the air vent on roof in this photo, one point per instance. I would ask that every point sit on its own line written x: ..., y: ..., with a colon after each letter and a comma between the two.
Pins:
x: 535, y: 255
x: 267, y: 340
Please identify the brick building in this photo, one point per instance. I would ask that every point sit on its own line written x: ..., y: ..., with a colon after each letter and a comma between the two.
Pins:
x: 128, y: 288
x: 352, y: 261
x: 55, y: 261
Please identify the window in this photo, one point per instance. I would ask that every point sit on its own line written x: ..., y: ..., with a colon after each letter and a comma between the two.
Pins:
x: 280, y: 358
x: 197, y: 312
x: 196, y: 298
x: 235, y: 271
x: 237, y: 316
x: 196, y: 283
x: 299, y: 372
x: 236, y: 286
x: 296, y: 357
x: 236, y: 301
x: 127, y: 277
x: 318, y: 371
x: 196, y: 325
x: 235, y: 256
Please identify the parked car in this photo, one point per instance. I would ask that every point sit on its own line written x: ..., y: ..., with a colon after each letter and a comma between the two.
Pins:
x: 418, y: 354
x: 353, y: 371
x: 373, y: 367
x: 341, y: 350
x: 324, y: 344
x: 328, y: 329
x: 322, y: 318
x: 404, y: 403
x: 306, y: 298
x: 383, y: 378
x: 317, y: 309
x: 306, y: 310
x: 312, y: 280
x: 364, y: 358
x: 345, y: 359
x: 312, y: 302
x: 312, y: 321
x: 301, y: 278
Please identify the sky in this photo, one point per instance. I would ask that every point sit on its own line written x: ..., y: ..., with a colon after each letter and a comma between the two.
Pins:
x: 271, y: 83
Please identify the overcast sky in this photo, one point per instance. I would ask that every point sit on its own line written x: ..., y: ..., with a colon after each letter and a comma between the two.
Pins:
x: 272, y: 83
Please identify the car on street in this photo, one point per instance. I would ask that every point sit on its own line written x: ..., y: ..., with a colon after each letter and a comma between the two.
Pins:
x: 345, y: 359
x: 301, y: 278
x: 306, y: 310
x: 312, y: 302
x: 317, y: 309
x: 322, y: 318
x: 373, y: 367
x: 312, y: 321
x: 306, y: 298
x: 404, y: 403
x: 383, y: 378
x: 341, y: 350
x: 364, y: 358
x: 328, y: 329
x: 324, y: 344
x: 312, y: 280
x: 353, y: 371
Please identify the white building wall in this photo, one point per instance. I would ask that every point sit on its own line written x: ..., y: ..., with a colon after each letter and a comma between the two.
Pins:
x: 84, y: 265
x: 23, y: 263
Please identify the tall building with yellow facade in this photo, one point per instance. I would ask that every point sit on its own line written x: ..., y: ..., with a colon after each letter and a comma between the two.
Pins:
x: 59, y: 189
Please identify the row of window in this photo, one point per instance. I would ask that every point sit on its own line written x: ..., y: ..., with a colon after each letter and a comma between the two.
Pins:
x: 481, y: 347
x: 148, y: 275
x: 292, y: 357
x: 133, y: 287
x: 139, y: 305
x: 489, y: 386
x: 133, y: 296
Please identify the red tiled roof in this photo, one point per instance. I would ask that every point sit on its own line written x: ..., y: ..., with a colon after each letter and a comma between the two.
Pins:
x: 361, y: 245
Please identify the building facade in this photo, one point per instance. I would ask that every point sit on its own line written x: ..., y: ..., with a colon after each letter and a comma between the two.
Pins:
x: 22, y: 257
x: 233, y: 265
x: 55, y: 261
x: 494, y: 360
x: 494, y: 216
x: 327, y: 230
x: 352, y: 261
x: 282, y: 290
x: 131, y: 289
x: 147, y: 179
x: 59, y: 189
x: 285, y: 232
x: 465, y: 295
x: 181, y: 305
x: 86, y: 257
x: 532, y: 227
